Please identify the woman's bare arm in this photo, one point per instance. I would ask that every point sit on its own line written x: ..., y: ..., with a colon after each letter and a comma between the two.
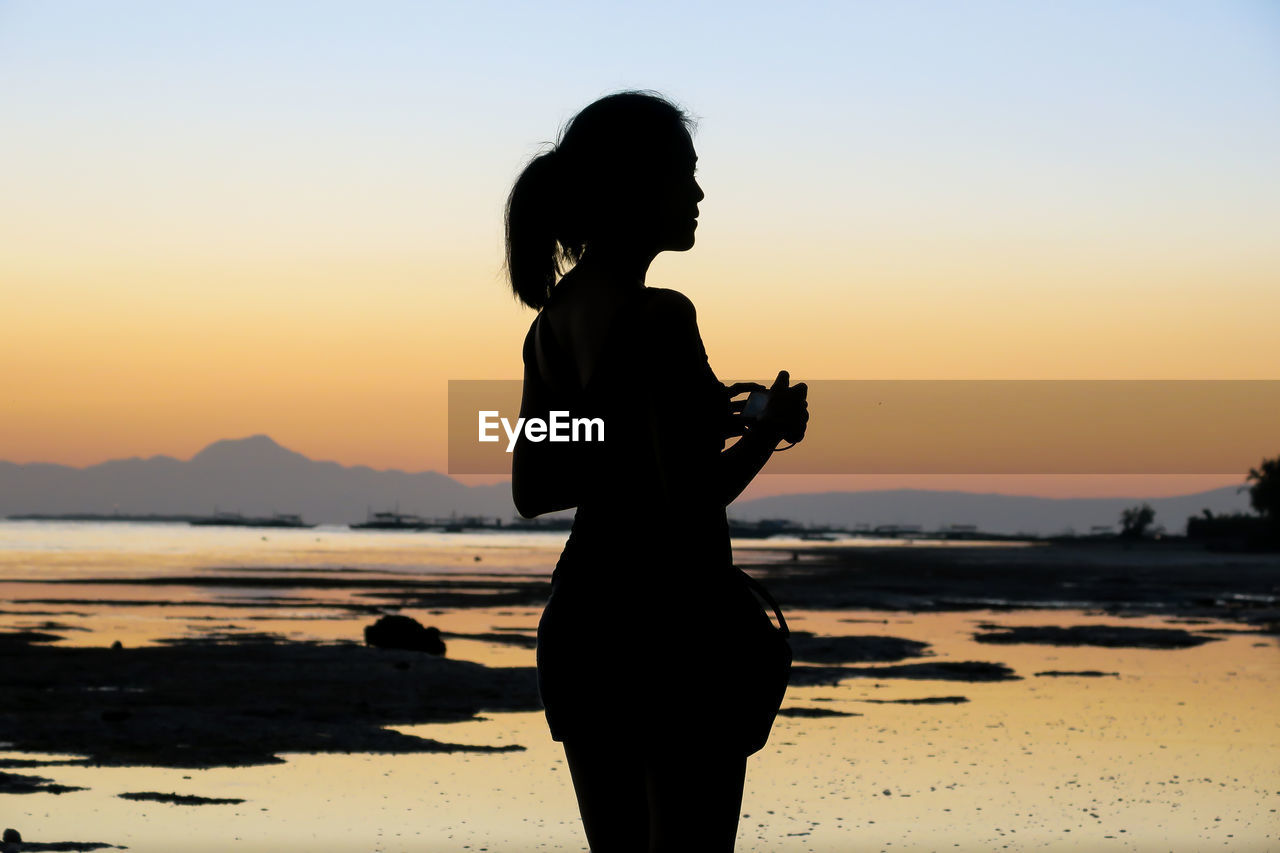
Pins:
x: 785, y: 417
x: 740, y: 463
x: 543, y: 477
x: 683, y: 470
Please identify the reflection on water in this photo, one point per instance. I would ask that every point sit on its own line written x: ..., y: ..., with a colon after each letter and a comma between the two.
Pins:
x: 78, y: 549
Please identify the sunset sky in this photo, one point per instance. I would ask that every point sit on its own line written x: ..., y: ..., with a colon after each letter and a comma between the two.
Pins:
x: 221, y: 219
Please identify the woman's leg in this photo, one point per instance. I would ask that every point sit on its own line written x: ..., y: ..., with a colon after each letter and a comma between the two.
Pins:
x: 695, y: 796
x: 609, y: 780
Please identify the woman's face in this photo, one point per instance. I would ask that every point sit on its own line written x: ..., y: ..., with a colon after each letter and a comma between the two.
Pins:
x: 651, y: 204
x: 675, y: 196
x: 654, y: 208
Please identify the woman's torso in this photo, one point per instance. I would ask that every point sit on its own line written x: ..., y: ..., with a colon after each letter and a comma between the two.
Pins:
x: 598, y: 362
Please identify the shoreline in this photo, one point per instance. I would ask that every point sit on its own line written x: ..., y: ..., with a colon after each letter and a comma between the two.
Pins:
x: 1141, y: 579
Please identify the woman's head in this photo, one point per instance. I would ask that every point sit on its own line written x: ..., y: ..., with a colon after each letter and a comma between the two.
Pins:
x: 621, y: 176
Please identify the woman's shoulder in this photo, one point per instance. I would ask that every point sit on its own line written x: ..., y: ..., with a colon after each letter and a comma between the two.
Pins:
x: 669, y: 307
x: 669, y: 317
x: 664, y: 298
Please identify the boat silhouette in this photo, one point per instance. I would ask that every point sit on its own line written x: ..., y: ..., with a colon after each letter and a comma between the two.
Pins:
x: 235, y: 519
x: 392, y: 520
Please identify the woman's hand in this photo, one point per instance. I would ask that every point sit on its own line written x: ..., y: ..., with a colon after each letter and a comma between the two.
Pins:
x: 737, y: 424
x: 786, y: 415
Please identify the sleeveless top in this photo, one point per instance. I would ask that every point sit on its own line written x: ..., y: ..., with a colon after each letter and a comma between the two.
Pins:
x: 664, y: 521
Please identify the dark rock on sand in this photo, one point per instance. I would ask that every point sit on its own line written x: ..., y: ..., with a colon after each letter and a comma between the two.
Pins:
x: 1084, y: 673
x: 236, y: 635
x: 524, y: 641
x: 803, y: 676
x: 403, y: 632
x: 493, y: 590
x: 927, y: 700
x: 20, y: 783
x: 219, y: 704
x: 815, y: 712
x: 51, y: 625
x: 41, y: 762
x: 68, y: 846
x: 179, y: 799
x: 26, y: 638
x: 1109, y: 636
x: 13, y: 843
x: 860, y: 649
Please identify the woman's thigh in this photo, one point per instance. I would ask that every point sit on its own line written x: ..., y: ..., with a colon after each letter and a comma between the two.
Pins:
x: 610, y: 782
x: 637, y: 800
x: 695, y: 797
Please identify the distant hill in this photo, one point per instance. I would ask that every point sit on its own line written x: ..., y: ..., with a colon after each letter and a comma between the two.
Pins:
x: 257, y: 476
x: 992, y: 513
x: 253, y: 475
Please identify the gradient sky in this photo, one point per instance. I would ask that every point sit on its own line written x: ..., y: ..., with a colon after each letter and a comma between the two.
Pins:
x: 219, y: 219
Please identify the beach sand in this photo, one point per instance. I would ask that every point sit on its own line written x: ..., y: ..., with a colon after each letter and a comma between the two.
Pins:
x: 1046, y: 697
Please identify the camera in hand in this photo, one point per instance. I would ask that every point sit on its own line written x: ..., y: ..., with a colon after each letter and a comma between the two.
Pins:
x: 754, y: 407
x: 756, y: 401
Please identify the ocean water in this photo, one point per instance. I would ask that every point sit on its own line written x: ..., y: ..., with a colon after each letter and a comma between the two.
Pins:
x: 71, y: 549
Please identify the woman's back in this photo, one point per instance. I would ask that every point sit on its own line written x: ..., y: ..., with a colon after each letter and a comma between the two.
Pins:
x: 580, y: 316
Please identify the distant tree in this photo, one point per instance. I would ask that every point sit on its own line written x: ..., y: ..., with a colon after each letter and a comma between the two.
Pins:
x: 1135, y: 520
x: 1264, y: 494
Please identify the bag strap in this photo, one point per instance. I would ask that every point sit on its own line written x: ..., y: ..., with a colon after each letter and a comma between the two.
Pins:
x: 759, y: 590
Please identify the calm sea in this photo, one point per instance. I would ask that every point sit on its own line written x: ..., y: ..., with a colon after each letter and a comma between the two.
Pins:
x: 51, y: 550
x: 60, y: 549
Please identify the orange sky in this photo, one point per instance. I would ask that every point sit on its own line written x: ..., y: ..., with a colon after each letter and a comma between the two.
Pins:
x: 350, y: 361
x: 188, y: 264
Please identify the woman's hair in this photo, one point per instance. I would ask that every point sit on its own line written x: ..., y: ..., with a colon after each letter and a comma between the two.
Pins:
x: 585, y: 185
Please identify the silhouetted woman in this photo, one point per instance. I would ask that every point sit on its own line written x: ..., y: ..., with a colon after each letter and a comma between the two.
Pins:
x: 644, y: 609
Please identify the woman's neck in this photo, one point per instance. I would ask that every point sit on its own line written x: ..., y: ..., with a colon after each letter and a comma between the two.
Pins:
x: 624, y: 267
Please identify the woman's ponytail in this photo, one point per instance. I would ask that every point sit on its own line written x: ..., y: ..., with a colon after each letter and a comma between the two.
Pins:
x: 585, y: 185
x: 534, y: 255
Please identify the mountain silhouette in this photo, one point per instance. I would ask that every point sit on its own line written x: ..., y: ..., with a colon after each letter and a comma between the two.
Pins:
x: 254, y: 450
x: 253, y: 475
x: 257, y: 476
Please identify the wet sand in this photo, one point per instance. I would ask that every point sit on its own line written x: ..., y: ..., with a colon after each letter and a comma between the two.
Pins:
x: 1170, y: 578
x: 919, y: 651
